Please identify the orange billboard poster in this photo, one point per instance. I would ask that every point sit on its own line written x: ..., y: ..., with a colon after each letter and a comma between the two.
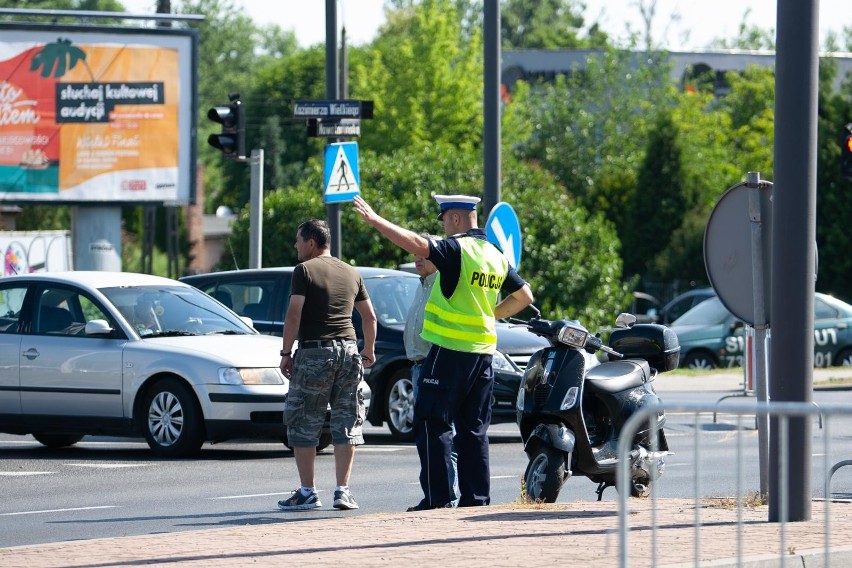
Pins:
x: 96, y: 116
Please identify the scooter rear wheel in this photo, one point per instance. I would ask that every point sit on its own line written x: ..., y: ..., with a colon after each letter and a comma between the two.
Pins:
x: 545, y: 475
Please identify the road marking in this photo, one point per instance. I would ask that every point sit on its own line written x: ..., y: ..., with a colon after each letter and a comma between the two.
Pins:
x: 22, y: 473
x: 505, y: 476
x: 383, y: 449
x: 59, y: 510
x: 108, y: 465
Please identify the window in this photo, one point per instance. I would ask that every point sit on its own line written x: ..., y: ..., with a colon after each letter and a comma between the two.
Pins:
x: 64, y: 311
x: 11, y: 303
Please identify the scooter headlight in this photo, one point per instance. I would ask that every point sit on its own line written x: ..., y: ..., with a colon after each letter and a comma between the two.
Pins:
x: 573, y: 336
x: 519, y: 403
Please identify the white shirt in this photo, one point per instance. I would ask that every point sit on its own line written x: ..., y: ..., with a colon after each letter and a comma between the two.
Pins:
x: 416, y: 348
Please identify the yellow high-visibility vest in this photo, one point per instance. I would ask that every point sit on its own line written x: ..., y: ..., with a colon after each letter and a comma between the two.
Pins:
x: 465, y: 321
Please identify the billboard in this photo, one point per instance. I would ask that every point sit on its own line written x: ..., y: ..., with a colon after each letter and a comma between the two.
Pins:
x: 97, y: 115
x: 35, y: 251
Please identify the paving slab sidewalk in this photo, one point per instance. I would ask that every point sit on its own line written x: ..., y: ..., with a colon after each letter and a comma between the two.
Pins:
x: 571, y: 534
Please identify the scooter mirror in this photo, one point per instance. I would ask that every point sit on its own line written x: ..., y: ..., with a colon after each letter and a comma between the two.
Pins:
x: 625, y: 320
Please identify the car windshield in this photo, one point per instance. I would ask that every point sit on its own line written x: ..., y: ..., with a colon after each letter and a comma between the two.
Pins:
x: 391, y: 297
x: 173, y: 310
x: 708, y: 312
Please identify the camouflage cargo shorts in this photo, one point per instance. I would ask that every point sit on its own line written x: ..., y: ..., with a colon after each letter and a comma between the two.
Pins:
x: 324, y: 376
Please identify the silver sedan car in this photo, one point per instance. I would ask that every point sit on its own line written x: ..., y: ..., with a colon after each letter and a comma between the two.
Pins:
x: 116, y: 353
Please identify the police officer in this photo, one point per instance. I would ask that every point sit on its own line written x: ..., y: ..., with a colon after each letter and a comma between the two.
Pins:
x: 457, y: 378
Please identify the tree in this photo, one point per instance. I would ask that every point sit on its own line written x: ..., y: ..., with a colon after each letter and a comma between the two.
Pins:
x: 834, y: 208
x: 228, y: 41
x: 424, y: 73
x: 590, y: 128
x: 660, y: 201
x: 545, y: 24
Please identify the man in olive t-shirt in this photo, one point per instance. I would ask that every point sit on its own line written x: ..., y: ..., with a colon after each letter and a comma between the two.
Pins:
x: 327, y: 368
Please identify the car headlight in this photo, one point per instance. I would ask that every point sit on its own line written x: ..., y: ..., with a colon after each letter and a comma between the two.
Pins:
x: 263, y: 376
x: 502, y: 363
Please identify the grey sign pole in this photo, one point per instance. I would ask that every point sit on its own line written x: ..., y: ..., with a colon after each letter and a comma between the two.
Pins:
x: 332, y: 92
x: 761, y: 322
x: 491, y: 105
x: 256, y: 209
x: 791, y: 359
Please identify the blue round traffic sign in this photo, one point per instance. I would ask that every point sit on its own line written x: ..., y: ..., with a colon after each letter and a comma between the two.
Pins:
x: 504, y: 230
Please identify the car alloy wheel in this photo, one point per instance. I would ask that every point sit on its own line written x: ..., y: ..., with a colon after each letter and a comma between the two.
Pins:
x: 400, y: 405
x: 173, y: 425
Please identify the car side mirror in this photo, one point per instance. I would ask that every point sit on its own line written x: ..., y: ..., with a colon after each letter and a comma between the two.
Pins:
x: 98, y: 327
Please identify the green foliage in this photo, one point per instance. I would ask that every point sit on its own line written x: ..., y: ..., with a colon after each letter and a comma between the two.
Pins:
x: 92, y: 5
x: 570, y: 256
x: 44, y: 218
x: 283, y: 211
x: 131, y: 258
x: 834, y: 208
x: 589, y: 129
x: 544, y: 24
x: 227, y: 44
x: 424, y: 74
x: 683, y: 257
x: 660, y: 200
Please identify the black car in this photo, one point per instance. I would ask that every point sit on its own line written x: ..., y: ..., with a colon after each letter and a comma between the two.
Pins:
x: 263, y: 295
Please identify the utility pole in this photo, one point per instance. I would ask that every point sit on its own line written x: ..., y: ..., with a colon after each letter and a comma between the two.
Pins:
x: 491, y: 106
x: 332, y: 93
x: 791, y: 363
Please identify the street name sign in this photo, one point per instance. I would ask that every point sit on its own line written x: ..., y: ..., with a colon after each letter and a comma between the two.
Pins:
x: 334, y: 127
x: 351, y: 109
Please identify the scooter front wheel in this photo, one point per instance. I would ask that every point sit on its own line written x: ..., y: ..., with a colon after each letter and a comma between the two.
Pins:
x: 545, y: 475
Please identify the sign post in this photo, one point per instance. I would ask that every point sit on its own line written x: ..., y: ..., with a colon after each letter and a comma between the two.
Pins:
x: 738, y: 262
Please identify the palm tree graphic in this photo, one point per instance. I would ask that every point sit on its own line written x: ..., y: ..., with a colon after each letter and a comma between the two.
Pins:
x: 58, y: 58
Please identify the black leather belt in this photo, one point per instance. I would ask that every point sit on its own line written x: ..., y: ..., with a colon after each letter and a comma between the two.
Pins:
x: 324, y: 342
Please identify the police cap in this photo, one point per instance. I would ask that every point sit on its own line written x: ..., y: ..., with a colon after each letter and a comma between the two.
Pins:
x: 448, y: 202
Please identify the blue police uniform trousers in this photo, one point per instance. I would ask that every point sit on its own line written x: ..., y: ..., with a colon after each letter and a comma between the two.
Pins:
x: 455, y: 388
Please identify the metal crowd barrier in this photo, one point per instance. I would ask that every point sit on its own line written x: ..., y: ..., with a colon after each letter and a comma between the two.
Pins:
x: 783, y: 411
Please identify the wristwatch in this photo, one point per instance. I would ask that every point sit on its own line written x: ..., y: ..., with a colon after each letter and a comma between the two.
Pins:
x: 285, y: 353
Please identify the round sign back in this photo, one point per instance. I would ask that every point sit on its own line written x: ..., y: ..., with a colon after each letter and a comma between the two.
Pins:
x: 728, y: 255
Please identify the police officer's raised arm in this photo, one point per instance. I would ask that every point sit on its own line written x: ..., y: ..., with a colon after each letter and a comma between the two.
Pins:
x: 403, y: 238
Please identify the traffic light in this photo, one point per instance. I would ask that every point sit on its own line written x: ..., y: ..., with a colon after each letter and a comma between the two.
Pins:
x: 846, y: 153
x: 232, y: 140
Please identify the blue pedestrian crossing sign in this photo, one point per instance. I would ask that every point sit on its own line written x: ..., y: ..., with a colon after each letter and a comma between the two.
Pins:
x: 342, y: 177
x: 504, y: 230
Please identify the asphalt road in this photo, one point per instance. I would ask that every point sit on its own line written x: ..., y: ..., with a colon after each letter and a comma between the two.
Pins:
x: 114, y: 487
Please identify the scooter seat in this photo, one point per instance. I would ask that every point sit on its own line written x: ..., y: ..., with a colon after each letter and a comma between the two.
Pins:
x: 616, y: 376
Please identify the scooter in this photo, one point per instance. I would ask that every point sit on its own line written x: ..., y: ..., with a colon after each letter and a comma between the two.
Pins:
x: 571, y: 412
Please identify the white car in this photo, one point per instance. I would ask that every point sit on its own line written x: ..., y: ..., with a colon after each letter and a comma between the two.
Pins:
x: 117, y: 353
